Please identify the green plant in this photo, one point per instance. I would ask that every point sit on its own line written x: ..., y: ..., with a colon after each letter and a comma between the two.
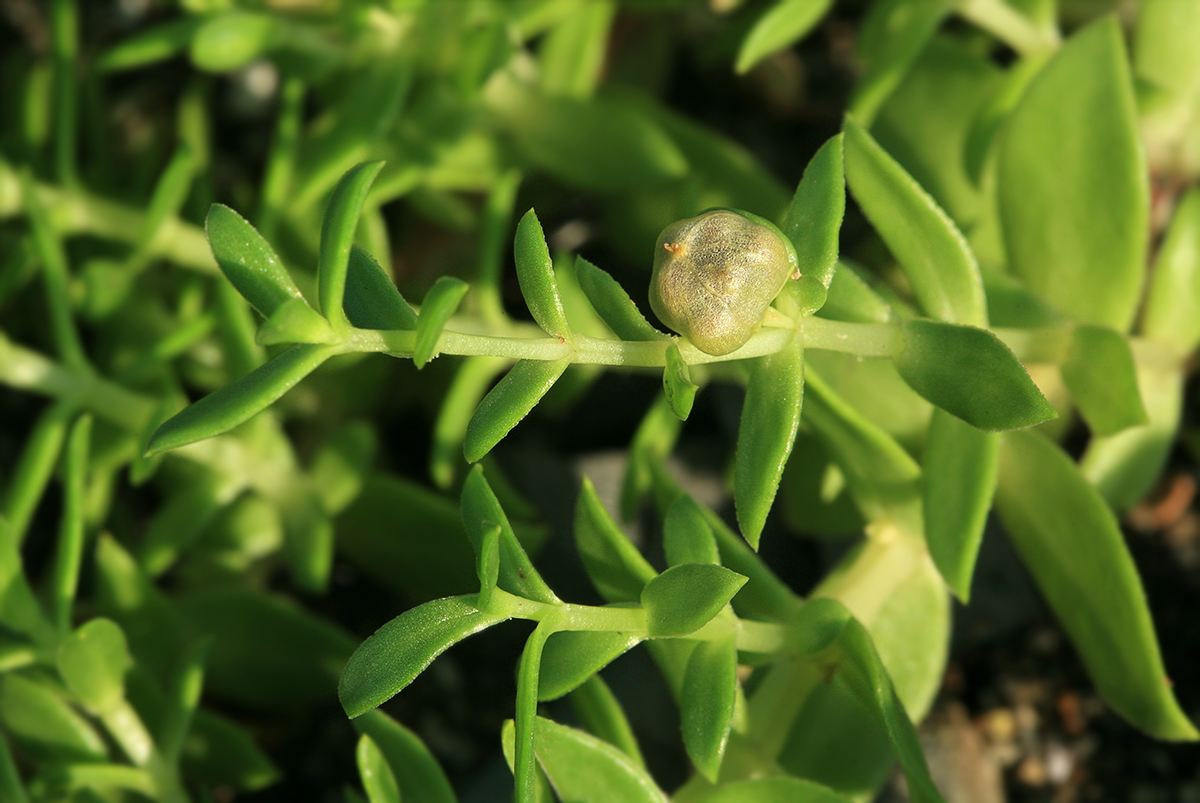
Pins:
x: 909, y: 383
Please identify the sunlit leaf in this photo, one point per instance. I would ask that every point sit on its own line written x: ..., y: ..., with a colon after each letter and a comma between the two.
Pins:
x: 1072, y: 182
x: 439, y: 304
x: 968, y: 372
x: 1072, y: 545
x: 509, y: 402
x: 248, y: 261
x: 782, y: 24
x: 1101, y: 375
x: 234, y: 404
x: 535, y: 272
x: 571, y: 657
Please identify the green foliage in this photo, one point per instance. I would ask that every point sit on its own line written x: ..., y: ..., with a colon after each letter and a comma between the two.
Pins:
x: 163, y: 559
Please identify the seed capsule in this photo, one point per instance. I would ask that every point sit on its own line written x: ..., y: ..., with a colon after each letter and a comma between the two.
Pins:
x: 716, y: 274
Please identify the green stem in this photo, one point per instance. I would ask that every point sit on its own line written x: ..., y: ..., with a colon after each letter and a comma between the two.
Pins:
x: 70, y: 538
x: 524, y: 764
x: 64, y: 24
x: 35, y: 466
x: 73, y: 211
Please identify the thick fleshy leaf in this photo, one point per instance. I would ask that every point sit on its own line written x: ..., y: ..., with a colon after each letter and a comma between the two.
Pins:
x: 1101, y: 375
x: 224, y: 409
x: 706, y: 706
x: 960, y: 465
x: 571, y: 657
x: 677, y: 384
x: 890, y: 40
x: 584, y: 769
x: 1071, y: 543
x: 773, y: 790
x: 248, y: 261
x: 1072, y: 182
x: 294, y: 321
x: 614, y: 565
x: 481, y: 511
x: 1172, y: 315
x: 371, y: 299
x: 377, y: 778
x: 93, y: 661
x: 684, y: 598
x: 400, y: 650
x: 687, y: 535
x: 613, y: 304
x: 933, y: 112
x: 814, y: 220
x: 439, y: 304
x: 509, y: 402
x: 535, y: 273
x: 600, y: 713
x: 416, y: 770
x: 1125, y: 466
x: 934, y: 255
x: 770, y: 418
x: 1167, y: 64
x: 970, y: 373
x: 782, y: 24
x: 882, y: 477
x: 337, y: 236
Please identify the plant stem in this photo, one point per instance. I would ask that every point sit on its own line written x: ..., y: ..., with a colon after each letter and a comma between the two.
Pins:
x: 1010, y: 26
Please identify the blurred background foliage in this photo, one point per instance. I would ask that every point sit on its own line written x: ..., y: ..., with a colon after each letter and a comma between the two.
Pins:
x: 259, y: 559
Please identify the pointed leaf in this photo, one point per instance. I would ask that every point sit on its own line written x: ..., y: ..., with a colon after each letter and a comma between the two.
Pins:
x: 584, y: 769
x: 294, y: 321
x: 377, y: 778
x: 782, y: 24
x: 970, y: 373
x: 613, y: 304
x: 1072, y: 182
x: 440, y: 303
x: 93, y: 661
x: 46, y: 726
x: 706, y: 706
x: 337, y: 236
x: 416, y: 770
x: 509, y: 402
x: 371, y: 299
x: 614, y: 565
x: 770, y: 419
x: 677, y: 384
x: 684, y: 598
x: 481, y: 511
x: 1071, y: 543
x: 960, y: 465
x: 248, y: 261
x: 224, y: 409
x: 535, y: 272
x: 814, y: 221
x: 931, y: 250
x: 571, y: 657
x: 400, y: 650
x: 572, y: 55
x: 1100, y: 373
x: 687, y: 536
